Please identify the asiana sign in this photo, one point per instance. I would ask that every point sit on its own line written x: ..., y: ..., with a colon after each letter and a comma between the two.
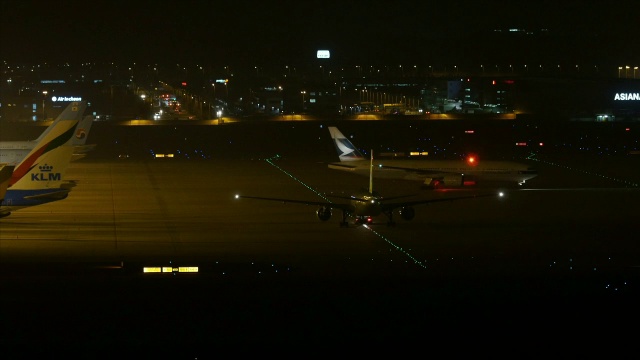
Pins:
x: 627, y: 96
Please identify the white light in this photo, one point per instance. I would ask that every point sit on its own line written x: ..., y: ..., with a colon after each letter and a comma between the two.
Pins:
x: 323, y: 54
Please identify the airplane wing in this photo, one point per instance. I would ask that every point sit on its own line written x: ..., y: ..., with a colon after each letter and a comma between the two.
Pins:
x: 328, y: 204
x: 76, y: 157
x: 54, y: 195
x: 345, y: 166
x: 81, y: 149
x: 394, y: 205
x: 357, y: 198
x: 335, y: 165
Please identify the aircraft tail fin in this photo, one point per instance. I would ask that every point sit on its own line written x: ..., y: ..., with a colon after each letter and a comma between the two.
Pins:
x: 82, y: 131
x: 346, y: 150
x: 73, y: 111
x: 44, y: 166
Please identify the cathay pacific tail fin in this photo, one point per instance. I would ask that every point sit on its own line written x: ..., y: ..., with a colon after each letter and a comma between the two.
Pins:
x: 346, y: 150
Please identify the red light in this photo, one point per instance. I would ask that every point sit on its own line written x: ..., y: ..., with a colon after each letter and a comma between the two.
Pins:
x: 472, y: 160
x: 369, y: 220
x: 627, y: 129
x: 469, y: 131
x: 541, y: 144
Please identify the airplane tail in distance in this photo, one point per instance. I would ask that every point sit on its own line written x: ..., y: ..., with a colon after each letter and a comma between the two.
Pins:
x: 73, y: 111
x: 82, y: 131
x: 346, y: 150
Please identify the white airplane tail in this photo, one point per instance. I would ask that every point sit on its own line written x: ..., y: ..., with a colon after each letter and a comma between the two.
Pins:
x: 346, y: 150
x: 82, y: 131
x: 73, y: 111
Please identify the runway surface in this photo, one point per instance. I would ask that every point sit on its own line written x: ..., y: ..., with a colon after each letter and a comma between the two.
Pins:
x: 272, y: 274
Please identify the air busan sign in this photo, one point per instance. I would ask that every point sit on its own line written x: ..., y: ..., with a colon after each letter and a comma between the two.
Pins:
x: 627, y: 96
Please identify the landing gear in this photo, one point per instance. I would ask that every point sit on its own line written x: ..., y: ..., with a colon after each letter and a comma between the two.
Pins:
x: 390, y: 216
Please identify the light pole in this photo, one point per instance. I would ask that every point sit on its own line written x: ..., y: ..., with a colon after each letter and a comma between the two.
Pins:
x: 303, y: 92
x: 44, y: 97
x: 619, y: 69
x: 634, y: 71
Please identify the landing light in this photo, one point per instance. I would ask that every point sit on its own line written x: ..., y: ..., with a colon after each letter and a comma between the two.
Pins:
x: 500, y: 194
x: 237, y: 196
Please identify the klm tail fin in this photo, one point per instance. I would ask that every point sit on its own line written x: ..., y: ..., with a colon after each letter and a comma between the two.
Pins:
x: 44, y: 166
x: 346, y: 150
x: 74, y: 111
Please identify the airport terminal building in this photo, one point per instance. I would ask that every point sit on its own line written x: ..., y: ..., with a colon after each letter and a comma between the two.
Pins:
x: 127, y: 93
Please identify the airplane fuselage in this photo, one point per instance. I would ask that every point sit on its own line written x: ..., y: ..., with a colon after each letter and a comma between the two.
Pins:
x: 427, y: 171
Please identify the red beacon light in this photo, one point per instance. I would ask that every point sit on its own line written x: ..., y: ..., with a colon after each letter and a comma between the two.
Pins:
x: 472, y: 160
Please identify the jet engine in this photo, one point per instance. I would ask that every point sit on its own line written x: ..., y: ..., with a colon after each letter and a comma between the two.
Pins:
x: 324, y: 213
x: 407, y: 213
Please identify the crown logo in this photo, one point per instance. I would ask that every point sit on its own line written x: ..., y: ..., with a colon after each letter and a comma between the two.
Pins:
x: 45, y: 168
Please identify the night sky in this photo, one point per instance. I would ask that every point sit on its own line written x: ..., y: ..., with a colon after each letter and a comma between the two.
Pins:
x: 287, y: 31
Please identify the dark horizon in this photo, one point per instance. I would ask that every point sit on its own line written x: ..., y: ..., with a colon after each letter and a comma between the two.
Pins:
x: 259, y: 34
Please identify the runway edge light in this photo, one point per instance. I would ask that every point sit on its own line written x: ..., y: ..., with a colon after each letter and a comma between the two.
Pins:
x: 170, y: 269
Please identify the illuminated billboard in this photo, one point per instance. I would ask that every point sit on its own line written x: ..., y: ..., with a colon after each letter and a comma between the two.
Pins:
x: 323, y: 54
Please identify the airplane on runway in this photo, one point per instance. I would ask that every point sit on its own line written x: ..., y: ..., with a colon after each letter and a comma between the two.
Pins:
x: 433, y: 174
x: 39, y: 177
x: 5, y: 175
x: 367, y: 204
x: 12, y: 152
